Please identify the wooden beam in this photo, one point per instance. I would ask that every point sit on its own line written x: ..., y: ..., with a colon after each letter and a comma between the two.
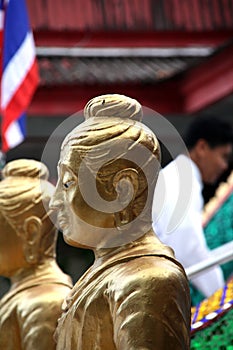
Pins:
x: 131, y: 39
x: 66, y: 100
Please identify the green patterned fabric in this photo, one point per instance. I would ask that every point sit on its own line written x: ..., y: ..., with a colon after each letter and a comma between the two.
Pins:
x: 218, y: 232
x: 196, y: 296
x: 217, y: 336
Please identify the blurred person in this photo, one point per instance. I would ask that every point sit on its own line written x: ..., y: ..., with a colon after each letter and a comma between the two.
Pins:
x: 209, y: 142
x: 135, y: 295
x: 30, y: 309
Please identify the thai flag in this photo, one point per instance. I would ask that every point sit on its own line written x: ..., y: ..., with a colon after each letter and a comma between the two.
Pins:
x: 19, y: 77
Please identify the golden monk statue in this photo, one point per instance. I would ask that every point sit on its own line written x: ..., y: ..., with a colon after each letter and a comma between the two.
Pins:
x: 135, y: 295
x: 29, y: 311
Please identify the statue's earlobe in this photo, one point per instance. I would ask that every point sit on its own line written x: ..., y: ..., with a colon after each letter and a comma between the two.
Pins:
x: 126, y: 185
x: 32, y: 239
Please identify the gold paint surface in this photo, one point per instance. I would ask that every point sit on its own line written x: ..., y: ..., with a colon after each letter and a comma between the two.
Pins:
x: 136, y: 298
x: 29, y: 311
x: 135, y: 295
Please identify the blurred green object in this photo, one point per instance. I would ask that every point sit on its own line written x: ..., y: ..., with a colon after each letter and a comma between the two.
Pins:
x: 196, y: 296
x: 217, y: 336
x: 218, y: 231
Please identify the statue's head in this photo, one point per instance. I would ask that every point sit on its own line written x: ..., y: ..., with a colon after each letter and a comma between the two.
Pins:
x: 108, y: 169
x: 27, y: 235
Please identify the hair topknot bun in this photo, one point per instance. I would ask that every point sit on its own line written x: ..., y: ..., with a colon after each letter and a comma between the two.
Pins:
x: 26, y: 168
x: 113, y: 105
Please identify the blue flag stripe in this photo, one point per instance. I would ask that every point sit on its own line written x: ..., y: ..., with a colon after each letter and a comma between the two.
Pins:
x: 16, y: 29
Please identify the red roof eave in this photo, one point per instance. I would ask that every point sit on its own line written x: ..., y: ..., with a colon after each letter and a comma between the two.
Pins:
x: 199, y: 87
x: 131, y: 39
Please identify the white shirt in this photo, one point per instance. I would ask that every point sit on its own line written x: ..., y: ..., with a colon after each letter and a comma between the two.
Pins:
x: 176, y: 214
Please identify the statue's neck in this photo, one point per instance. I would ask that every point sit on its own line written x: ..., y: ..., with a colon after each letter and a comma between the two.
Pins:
x: 104, y: 254
x: 45, y: 268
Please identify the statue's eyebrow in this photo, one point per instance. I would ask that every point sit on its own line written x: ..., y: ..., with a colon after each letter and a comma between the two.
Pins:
x: 60, y: 166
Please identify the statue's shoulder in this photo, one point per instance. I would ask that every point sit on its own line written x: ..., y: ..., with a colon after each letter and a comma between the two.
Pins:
x: 153, y: 273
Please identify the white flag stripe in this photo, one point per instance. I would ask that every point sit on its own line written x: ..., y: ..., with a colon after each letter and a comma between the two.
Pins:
x: 17, y: 69
x: 14, y: 135
x: 1, y: 19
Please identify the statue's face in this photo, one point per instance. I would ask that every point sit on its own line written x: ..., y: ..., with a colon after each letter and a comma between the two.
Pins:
x: 11, y: 251
x: 78, y: 220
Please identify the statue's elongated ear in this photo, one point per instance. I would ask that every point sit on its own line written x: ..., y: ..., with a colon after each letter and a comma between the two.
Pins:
x: 32, y: 238
x: 126, y: 184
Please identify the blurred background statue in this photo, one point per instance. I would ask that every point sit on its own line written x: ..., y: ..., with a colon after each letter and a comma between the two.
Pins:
x: 29, y: 311
x: 136, y: 294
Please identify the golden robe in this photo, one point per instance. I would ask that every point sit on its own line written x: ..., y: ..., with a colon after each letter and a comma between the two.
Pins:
x: 29, y: 311
x: 136, y: 298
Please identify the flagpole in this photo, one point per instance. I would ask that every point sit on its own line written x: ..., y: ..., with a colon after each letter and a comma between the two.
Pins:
x: 218, y: 256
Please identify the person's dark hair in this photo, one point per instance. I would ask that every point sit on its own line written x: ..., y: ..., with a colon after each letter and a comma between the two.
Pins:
x: 214, y: 131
